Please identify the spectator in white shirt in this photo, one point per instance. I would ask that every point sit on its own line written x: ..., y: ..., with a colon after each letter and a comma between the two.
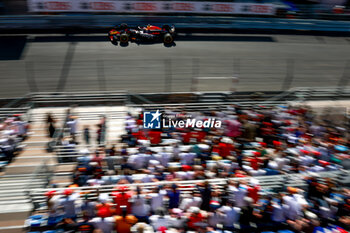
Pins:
x: 187, y: 158
x: 163, y: 157
x: 137, y: 161
x: 68, y: 204
x: 191, y: 201
x: 103, y: 223
x: 160, y: 220
x: 231, y: 215
x: 240, y: 192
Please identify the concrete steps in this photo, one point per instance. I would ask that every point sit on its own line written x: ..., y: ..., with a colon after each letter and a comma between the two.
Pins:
x: 15, y: 204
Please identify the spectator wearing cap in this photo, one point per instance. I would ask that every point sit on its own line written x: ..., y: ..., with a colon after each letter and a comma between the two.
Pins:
x: 68, y: 203
x: 53, y: 204
x: 226, y: 147
x: 215, y: 217
x: 294, y: 206
x: 50, y: 200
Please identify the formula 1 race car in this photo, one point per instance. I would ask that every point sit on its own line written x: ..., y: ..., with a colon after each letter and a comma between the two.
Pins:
x: 142, y: 35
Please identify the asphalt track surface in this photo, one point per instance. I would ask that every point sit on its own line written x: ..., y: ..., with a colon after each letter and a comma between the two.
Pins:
x: 52, y: 63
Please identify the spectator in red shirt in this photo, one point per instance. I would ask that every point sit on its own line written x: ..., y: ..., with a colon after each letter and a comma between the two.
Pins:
x: 155, y: 137
x: 195, y: 218
x: 225, y: 147
x: 121, y: 198
x: 253, y: 190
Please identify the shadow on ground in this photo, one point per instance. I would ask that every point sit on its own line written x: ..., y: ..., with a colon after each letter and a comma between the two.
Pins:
x: 99, y: 38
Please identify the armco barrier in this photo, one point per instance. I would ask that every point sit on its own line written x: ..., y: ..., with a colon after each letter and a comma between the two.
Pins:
x: 101, y: 22
x: 193, y: 7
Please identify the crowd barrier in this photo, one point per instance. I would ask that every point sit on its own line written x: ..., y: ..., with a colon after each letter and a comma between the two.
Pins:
x: 182, y: 23
x: 202, y: 7
x: 269, y: 184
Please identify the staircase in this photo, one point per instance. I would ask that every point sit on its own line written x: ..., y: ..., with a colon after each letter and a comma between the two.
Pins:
x: 26, y: 172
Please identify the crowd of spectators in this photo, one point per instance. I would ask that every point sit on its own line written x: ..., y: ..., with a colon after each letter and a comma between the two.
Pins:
x: 250, y: 143
x: 13, y: 130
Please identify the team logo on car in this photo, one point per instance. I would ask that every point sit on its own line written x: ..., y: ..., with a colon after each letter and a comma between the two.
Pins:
x: 151, y: 120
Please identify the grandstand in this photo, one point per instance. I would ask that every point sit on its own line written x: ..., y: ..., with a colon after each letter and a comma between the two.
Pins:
x: 85, y: 148
x: 47, y: 164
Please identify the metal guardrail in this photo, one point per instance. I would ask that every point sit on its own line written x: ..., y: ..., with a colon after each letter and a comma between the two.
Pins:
x: 42, y: 172
x: 269, y: 184
x: 71, y: 98
x: 286, y: 97
x: 98, y: 22
x: 124, y: 98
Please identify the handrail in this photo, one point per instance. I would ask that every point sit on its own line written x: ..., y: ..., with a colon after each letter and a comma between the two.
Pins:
x: 37, y: 172
x: 50, y: 98
x: 279, y: 182
x: 95, y: 22
x: 141, y: 98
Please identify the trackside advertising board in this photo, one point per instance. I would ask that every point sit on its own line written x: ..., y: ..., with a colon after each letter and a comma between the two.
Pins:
x: 150, y: 7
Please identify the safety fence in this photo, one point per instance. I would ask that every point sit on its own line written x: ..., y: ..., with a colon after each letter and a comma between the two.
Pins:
x: 177, y: 75
x: 95, y: 23
x: 269, y: 184
x: 325, y: 9
x: 66, y: 153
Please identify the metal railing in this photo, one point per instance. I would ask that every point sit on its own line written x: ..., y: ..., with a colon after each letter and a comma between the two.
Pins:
x: 269, y: 184
x: 42, y: 172
x: 78, y: 97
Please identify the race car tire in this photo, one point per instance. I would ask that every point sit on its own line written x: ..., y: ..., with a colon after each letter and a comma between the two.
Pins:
x: 114, y: 42
x: 124, y: 38
x: 126, y: 44
x: 168, y: 38
x: 166, y: 27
